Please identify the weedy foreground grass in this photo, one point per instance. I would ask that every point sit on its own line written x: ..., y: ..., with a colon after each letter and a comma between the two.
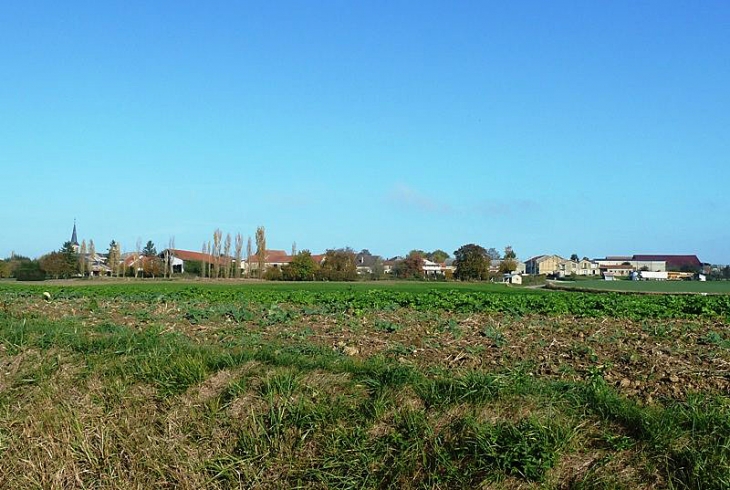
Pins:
x: 102, y: 392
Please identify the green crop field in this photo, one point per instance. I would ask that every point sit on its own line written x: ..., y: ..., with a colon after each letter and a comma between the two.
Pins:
x: 389, y: 385
x: 676, y: 287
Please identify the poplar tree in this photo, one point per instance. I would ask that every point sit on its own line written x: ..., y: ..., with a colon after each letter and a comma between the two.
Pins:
x: 249, y: 251
x: 210, y: 260
x: 239, y: 248
x: 227, y: 256
x: 82, y: 258
x: 113, y: 257
x: 168, y: 256
x: 137, y: 256
x: 203, y: 263
x: 92, y: 257
x: 217, y: 234
x: 261, y: 250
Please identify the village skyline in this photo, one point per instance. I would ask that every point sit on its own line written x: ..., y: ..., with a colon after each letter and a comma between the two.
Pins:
x: 497, y: 251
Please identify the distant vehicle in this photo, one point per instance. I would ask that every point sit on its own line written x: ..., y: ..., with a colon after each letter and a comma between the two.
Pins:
x: 653, y: 276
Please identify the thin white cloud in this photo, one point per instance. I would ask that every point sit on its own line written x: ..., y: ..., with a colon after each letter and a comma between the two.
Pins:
x: 406, y: 197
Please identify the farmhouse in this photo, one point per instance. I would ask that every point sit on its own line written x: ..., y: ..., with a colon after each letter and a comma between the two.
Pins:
x: 551, y: 265
x: 543, y: 264
x: 588, y: 268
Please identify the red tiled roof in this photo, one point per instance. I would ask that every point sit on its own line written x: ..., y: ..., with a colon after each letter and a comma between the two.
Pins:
x: 189, y: 255
x: 273, y: 257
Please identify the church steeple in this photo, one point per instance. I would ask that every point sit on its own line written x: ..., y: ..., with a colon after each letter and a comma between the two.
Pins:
x: 74, y: 239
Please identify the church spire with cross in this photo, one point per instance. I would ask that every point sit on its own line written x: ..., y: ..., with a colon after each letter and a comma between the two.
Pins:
x: 74, y: 238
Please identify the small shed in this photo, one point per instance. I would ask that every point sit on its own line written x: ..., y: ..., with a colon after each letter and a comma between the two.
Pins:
x: 512, y: 279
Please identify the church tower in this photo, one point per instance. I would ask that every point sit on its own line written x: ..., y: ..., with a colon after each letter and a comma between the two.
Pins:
x: 74, y: 239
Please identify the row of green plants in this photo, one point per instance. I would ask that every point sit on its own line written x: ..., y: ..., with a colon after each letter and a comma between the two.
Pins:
x: 633, y: 306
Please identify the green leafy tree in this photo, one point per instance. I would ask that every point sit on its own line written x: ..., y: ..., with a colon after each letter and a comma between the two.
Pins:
x: 301, y: 268
x: 149, y: 250
x: 438, y: 256
x: 493, y: 253
x: 4, y: 269
x: 378, y: 270
x: 507, y: 266
x: 71, y: 260
x: 261, y: 249
x: 114, y: 255
x: 29, y: 270
x: 13, y: 264
x: 273, y: 274
x: 575, y: 258
x: 509, y: 253
x: 472, y: 263
x: 338, y: 265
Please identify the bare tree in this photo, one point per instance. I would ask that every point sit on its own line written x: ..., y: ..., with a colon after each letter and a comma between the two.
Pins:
x: 261, y: 250
x: 249, y: 251
x: 168, y: 254
x: 239, y: 248
x: 217, y: 234
x: 293, y: 249
x: 227, y: 256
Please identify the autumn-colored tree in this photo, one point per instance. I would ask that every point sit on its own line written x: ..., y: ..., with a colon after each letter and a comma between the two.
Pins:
x: 54, y: 265
x: 152, y: 266
x: 410, y: 268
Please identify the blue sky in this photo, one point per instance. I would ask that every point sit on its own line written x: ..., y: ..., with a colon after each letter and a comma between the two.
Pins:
x: 557, y: 127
